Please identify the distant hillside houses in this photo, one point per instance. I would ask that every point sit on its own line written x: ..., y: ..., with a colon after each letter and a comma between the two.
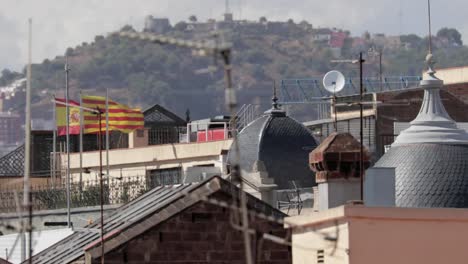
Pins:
x: 157, y: 25
x: 334, y: 38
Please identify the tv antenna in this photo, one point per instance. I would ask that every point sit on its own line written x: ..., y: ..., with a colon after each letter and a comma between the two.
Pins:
x: 334, y: 82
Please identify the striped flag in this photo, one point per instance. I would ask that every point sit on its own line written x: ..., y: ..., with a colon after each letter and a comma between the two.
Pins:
x: 121, y: 117
x: 61, y: 117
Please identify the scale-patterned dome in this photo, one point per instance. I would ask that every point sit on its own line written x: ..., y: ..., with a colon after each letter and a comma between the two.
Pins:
x: 429, y: 175
x: 282, y: 144
x: 430, y: 157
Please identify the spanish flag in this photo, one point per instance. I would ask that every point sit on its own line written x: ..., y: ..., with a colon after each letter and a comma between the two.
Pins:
x: 121, y: 117
x: 61, y: 117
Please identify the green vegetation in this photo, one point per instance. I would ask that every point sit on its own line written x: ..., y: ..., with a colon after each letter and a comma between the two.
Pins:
x: 142, y: 74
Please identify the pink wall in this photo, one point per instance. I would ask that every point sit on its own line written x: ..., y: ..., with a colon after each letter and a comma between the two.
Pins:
x: 422, y: 236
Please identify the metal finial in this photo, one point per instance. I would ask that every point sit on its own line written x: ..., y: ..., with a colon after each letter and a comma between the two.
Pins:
x: 275, y: 98
x: 430, y: 62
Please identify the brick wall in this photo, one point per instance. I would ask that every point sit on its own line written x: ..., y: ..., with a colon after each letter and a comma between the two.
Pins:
x: 201, y: 234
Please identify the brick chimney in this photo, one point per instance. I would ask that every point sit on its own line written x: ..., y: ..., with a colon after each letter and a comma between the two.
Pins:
x: 337, y: 171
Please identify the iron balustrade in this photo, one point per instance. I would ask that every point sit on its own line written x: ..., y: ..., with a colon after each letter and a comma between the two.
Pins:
x: 53, y: 196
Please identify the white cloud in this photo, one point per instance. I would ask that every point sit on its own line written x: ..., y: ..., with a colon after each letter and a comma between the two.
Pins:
x: 58, y: 24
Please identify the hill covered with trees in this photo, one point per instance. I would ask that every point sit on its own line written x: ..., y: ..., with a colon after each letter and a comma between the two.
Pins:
x: 142, y: 74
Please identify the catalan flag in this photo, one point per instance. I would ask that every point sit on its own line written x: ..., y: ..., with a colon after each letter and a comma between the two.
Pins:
x: 61, y: 117
x: 121, y: 117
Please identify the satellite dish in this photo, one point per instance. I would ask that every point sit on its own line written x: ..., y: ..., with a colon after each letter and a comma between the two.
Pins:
x: 334, y: 81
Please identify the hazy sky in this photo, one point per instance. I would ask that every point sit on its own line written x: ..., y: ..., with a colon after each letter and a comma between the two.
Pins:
x: 58, y: 24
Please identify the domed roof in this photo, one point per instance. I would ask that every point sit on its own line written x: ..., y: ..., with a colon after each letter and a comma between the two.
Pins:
x: 431, y: 156
x: 281, y: 143
x: 429, y: 175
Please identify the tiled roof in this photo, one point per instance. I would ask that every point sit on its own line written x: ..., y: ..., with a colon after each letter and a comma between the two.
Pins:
x: 282, y: 144
x: 429, y: 175
x: 157, y: 204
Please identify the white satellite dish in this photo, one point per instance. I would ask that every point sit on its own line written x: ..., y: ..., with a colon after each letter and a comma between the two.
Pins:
x: 334, y: 81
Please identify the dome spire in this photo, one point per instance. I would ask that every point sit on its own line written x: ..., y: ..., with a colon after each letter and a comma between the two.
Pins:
x: 432, y: 124
x: 274, y: 98
x: 275, y: 109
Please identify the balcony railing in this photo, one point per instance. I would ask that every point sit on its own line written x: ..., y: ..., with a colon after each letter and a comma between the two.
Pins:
x: 47, y: 197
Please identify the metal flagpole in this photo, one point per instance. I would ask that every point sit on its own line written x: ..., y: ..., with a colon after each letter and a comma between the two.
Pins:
x: 107, y: 132
x: 27, y: 153
x: 81, y: 144
x: 101, y: 196
x: 67, y: 142
x: 54, y: 147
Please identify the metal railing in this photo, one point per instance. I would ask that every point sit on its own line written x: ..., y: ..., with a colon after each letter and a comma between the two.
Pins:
x: 246, y: 114
x: 47, y: 197
x: 310, y: 90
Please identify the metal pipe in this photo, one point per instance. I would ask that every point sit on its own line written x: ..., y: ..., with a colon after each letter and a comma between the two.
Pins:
x: 361, y: 154
x: 101, y: 194
x: 81, y: 144
x: 231, y: 102
x: 67, y: 107
x: 429, y: 24
x: 54, y: 147
x: 107, y: 131
x: 27, y: 155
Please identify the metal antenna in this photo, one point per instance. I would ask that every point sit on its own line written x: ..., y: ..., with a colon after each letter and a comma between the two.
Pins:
x: 429, y: 24
x: 429, y: 58
x: 227, y: 6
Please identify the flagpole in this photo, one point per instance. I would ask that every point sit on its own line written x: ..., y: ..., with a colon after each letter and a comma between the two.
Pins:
x: 107, y: 132
x: 101, y: 193
x: 27, y: 152
x: 54, y: 147
x: 67, y: 142
x: 81, y: 144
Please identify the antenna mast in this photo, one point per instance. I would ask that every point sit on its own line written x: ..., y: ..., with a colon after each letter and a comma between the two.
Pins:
x: 227, y: 7
x: 429, y: 18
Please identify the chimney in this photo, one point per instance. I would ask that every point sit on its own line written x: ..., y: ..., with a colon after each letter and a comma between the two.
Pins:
x: 337, y: 172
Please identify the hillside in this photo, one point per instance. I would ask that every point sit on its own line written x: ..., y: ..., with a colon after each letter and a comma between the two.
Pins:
x: 142, y: 74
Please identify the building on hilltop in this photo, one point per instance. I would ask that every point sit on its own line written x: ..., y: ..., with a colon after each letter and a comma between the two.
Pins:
x: 156, y: 25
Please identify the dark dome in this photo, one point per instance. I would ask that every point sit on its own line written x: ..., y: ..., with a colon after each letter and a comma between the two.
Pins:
x: 282, y: 144
x: 429, y: 175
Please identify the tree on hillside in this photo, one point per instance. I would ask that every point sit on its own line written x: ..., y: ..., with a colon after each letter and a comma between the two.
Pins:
x: 8, y: 76
x: 452, y: 35
x: 181, y: 26
x: 412, y: 39
x: 127, y: 28
x: 193, y: 19
x: 262, y: 19
x: 366, y: 35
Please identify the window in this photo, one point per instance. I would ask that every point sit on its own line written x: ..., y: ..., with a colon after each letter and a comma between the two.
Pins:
x: 164, y: 177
